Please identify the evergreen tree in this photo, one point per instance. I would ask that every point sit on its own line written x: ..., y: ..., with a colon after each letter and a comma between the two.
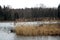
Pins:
x: 59, y: 11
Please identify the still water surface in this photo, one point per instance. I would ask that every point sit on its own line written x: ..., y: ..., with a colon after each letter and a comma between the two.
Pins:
x: 13, y: 36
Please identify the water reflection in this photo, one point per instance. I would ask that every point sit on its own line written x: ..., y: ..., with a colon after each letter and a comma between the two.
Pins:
x: 6, y: 36
x: 13, y: 36
x: 37, y: 38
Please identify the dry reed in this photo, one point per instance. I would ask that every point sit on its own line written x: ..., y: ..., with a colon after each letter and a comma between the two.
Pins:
x: 26, y: 30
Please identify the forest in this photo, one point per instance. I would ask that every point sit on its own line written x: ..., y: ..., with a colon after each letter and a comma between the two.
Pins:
x: 9, y: 14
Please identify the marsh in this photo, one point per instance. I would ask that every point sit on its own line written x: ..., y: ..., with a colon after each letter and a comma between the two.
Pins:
x: 5, y: 34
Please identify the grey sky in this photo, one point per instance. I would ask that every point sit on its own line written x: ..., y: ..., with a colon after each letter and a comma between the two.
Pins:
x: 29, y: 3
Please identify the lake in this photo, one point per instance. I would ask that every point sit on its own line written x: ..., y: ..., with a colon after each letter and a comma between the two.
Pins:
x: 13, y: 36
x: 12, y: 24
x: 6, y: 35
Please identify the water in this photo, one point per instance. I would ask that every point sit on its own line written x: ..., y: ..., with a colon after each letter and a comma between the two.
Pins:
x: 13, y: 36
x: 36, y: 23
x: 6, y: 24
x: 11, y: 24
x: 6, y: 35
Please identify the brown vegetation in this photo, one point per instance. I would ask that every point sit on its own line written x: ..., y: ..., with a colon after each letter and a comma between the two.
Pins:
x: 37, y: 19
x: 51, y: 29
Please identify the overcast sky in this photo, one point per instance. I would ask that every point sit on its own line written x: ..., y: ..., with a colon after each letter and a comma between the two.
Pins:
x: 29, y: 3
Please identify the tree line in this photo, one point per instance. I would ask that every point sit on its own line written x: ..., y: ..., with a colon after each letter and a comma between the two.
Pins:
x: 10, y: 14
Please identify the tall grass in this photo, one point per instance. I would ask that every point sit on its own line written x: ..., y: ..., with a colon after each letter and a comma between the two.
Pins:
x: 26, y: 30
x: 37, y: 19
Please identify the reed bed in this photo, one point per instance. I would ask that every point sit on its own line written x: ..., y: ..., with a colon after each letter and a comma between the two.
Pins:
x: 43, y: 29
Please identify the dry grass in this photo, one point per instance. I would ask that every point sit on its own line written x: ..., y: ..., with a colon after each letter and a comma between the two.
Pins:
x: 26, y: 30
x: 37, y: 19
